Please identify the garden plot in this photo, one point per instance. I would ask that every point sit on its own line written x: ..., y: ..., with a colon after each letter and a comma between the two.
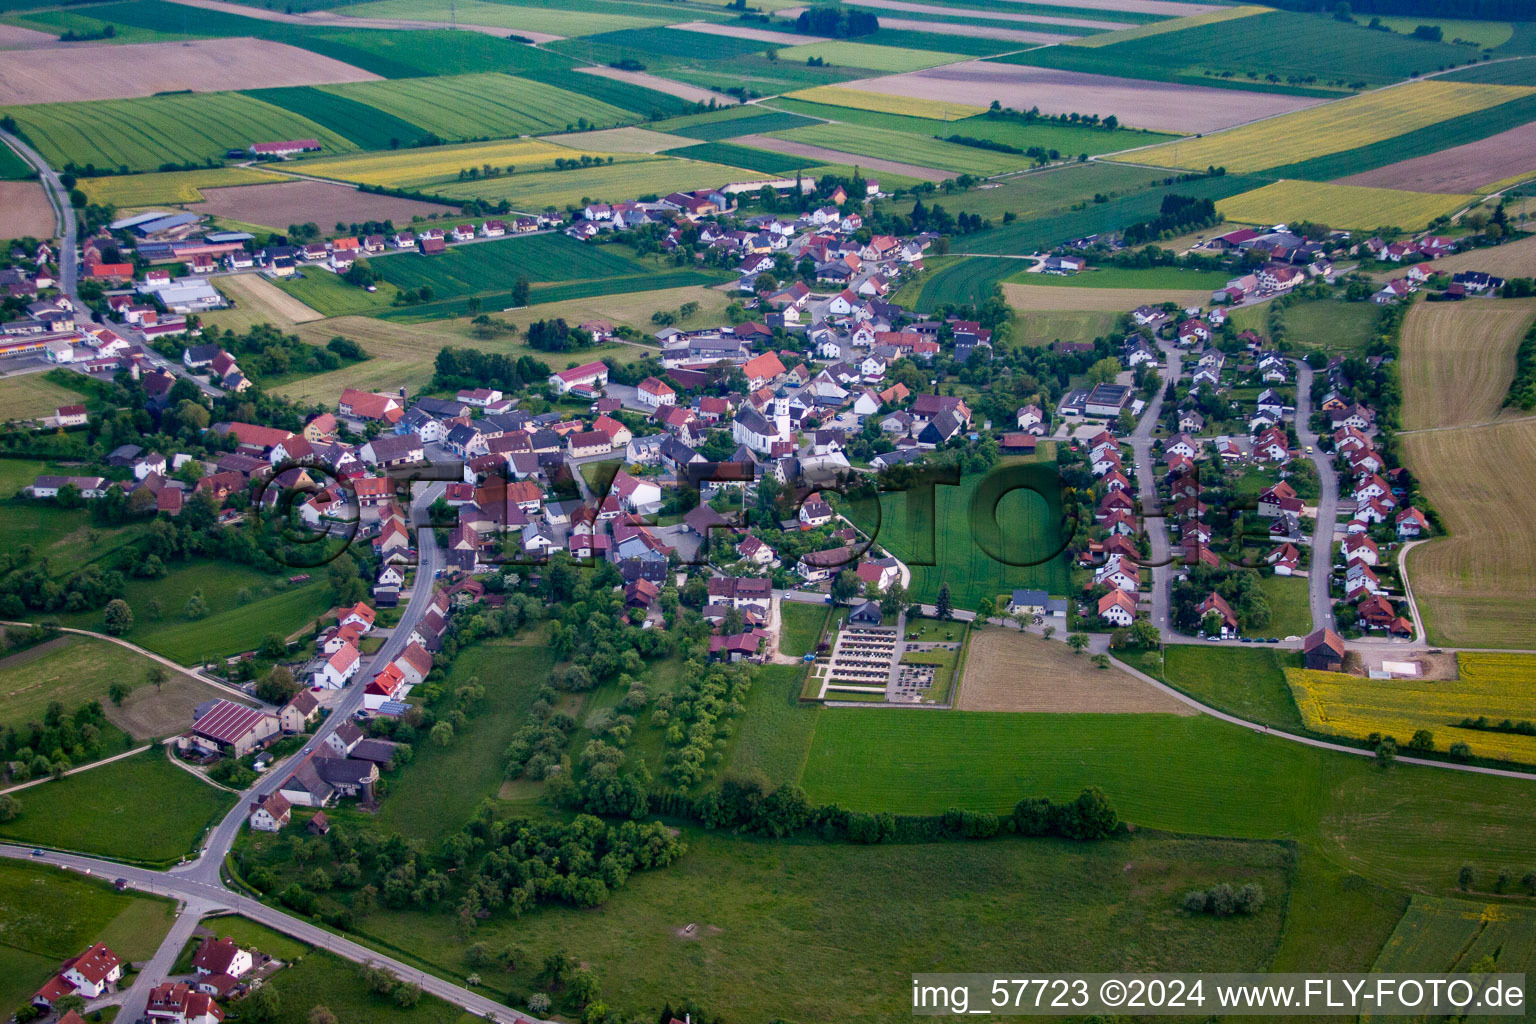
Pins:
x: 1162, y: 106
x: 143, y: 69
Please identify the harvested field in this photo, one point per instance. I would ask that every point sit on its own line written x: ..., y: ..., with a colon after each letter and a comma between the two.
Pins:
x: 1345, y: 206
x: 297, y: 202
x: 1049, y: 298
x: 921, y: 150
x: 762, y: 35
x: 821, y: 154
x: 1458, y: 359
x: 28, y: 396
x: 1461, y: 168
x: 25, y: 210
x: 890, y: 101
x: 142, y: 69
x: 994, y: 15
x: 1008, y: 670
x: 128, y: 190
x: 1161, y: 106
x: 1474, y: 588
x: 619, y: 140
x: 258, y: 301
x: 1158, y: 28
x: 682, y: 90
x: 14, y: 37
x: 1334, y: 127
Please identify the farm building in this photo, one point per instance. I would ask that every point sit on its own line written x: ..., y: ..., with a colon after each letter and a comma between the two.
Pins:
x: 286, y: 148
x: 225, y: 727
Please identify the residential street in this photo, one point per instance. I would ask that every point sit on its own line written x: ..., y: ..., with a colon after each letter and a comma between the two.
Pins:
x: 1156, y: 527
x: 1327, y: 504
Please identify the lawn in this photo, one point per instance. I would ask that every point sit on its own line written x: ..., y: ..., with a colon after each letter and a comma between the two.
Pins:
x: 477, y: 106
x: 769, y: 915
x: 945, y: 534
x: 34, y: 395
x: 127, y: 190
x: 922, y: 150
x: 1290, y: 609
x: 1332, y: 127
x: 1330, y: 325
x: 775, y: 732
x: 142, y: 134
x: 1042, y: 328
x: 243, y: 606
x: 141, y: 809
x: 1345, y: 206
x: 443, y: 786
x: 801, y: 626
x: 1490, y: 685
x: 1243, y: 681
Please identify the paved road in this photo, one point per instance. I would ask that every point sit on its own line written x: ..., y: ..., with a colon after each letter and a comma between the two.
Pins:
x: 1160, y: 589
x: 1327, y: 503
x: 136, y: 998
x: 63, y: 215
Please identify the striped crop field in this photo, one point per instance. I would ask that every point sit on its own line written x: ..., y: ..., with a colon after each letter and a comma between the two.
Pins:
x: 1343, y: 206
x: 1492, y: 686
x: 891, y: 59
x: 431, y: 165
x: 614, y: 182
x: 1157, y: 28
x: 483, y: 105
x: 170, y: 187
x: 915, y: 149
x: 143, y: 134
x: 561, y: 21
x: 1330, y: 128
x: 859, y: 99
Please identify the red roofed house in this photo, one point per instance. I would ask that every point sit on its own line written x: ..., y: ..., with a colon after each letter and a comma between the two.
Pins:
x: 286, y: 148
x: 763, y: 370
x: 365, y: 405
x: 1217, y: 604
x: 272, y: 813
x: 388, y: 685
x: 90, y: 973
x: 70, y: 415
x: 177, y: 1003
x: 1117, y: 608
x: 588, y: 375
x: 359, y: 613
x: 339, y: 669
x: 221, y: 956
x: 654, y: 392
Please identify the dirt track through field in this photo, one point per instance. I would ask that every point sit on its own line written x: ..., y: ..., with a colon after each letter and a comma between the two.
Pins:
x: 1050, y: 298
x: 1006, y: 670
x: 142, y: 69
x: 328, y: 19
x: 820, y: 154
x: 1460, y: 169
x: 297, y: 202
x: 1458, y: 359
x: 682, y: 90
x: 968, y: 12
x: 24, y: 210
x: 1161, y: 106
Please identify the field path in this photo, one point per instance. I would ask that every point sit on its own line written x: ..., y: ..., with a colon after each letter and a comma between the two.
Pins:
x: 77, y: 770
x: 820, y: 154
x: 338, y: 21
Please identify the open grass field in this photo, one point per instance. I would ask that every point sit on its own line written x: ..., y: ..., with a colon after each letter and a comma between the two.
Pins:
x: 142, y: 808
x: 32, y: 395
x: 954, y: 528
x: 323, y: 979
x: 1037, y: 327
x: 561, y: 21
x: 55, y: 914
x: 1473, y: 587
x: 25, y: 210
x: 860, y: 99
x: 1494, y: 685
x: 1009, y: 670
x: 330, y: 295
x: 68, y: 538
x: 1030, y: 195
x: 75, y: 669
x: 1330, y: 325
x: 928, y: 152
x: 1458, y: 359
x: 769, y: 911
x: 775, y: 732
x: 1465, y: 168
x: 891, y: 59
x: 1172, y: 279
x: 1345, y: 206
x: 143, y: 134
x: 279, y: 204
x: 802, y: 624
x: 369, y: 127
x: 494, y: 266
x: 475, y: 106
x: 1290, y: 613
x: 1306, y: 54
x: 169, y: 187
x: 611, y: 183
x: 1333, y: 127
x: 1249, y: 683
x: 444, y: 786
x: 144, y: 69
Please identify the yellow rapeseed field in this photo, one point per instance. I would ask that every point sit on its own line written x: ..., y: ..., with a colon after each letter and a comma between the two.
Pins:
x: 1330, y: 127
x: 127, y: 190
x: 1495, y: 686
x: 860, y: 99
x: 414, y: 167
x: 1340, y: 206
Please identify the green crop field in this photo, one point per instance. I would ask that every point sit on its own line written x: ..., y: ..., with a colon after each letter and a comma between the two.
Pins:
x: 142, y: 808
x: 559, y: 21
x: 59, y: 22
x: 716, y: 128
x: 756, y: 72
x: 1306, y: 53
x: 744, y: 156
x: 495, y: 266
x: 12, y: 166
x: 1247, y: 682
x: 329, y: 294
x: 891, y: 59
x: 966, y: 281
x: 143, y: 134
x: 1030, y: 195
x: 660, y: 42
x: 1345, y: 206
x: 803, y: 624
x: 611, y: 182
x: 1438, y: 934
x: 913, y: 149
x: 948, y: 44
x: 1504, y: 72
x: 1169, y: 278
x: 485, y: 105
x: 369, y: 127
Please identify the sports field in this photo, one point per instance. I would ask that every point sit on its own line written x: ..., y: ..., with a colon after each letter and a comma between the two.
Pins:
x: 1330, y: 128
x: 1491, y: 685
x: 143, y: 134
x: 477, y: 106
x: 1458, y: 359
x: 860, y: 99
x: 1343, y: 206
x: 171, y: 187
